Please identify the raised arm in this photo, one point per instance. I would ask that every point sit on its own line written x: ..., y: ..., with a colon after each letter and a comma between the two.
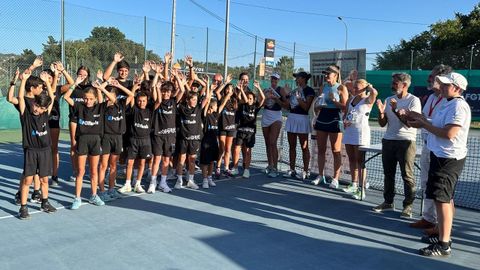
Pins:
x: 21, y: 92
x: 167, y: 59
x: 44, y: 76
x: 101, y: 89
x: 68, y: 94
x: 207, y: 98
x: 261, y: 95
x: 108, y: 72
x: 219, y: 89
x: 59, y: 66
x: 11, y: 90
x: 382, y: 117
x: 373, y: 93
x: 181, y: 85
x: 228, y: 95
x: 125, y: 90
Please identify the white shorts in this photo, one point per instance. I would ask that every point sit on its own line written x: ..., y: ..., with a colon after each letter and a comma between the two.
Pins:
x: 298, y: 123
x: 269, y: 117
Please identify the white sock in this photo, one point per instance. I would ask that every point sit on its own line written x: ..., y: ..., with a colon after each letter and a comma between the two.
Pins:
x: 209, y: 178
x: 128, y: 182
x: 153, y: 181
x: 179, y: 178
x: 355, y: 184
x: 205, y: 179
x: 190, y: 177
x: 163, y: 179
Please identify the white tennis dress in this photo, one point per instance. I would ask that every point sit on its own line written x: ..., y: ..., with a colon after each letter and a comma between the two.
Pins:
x: 358, y: 132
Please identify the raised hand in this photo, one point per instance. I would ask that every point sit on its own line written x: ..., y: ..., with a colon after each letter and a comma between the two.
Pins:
x: 96, y: 84
x: 189, y: 61
x: 17, y: 74
x: 38, y: 62
x: 381, y: 106
x: 44, y: 76
x: 118, y: 57
x: 146, y: 67
x: 59, y: 66
x: 228, y: 79
x: 26, y: 74
x: 160, y: 68
x: 79, y: 80
x: 153, y: 66
x: 168, y: 57
x: 100, y: 74
x: 256, y: 84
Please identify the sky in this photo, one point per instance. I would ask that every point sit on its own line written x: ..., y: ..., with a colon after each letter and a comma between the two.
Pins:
x: 371, y: 24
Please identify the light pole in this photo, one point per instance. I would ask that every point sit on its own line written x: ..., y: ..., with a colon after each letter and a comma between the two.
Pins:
x: 346, y: 31
x: 184, y: 45
x: 76, y: 56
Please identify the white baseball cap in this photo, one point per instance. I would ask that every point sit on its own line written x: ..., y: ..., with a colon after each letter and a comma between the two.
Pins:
x: 275, y: 75
x: 454, y: 78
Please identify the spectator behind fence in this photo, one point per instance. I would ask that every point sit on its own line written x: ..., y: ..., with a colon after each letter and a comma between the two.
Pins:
x: 434, y: 102
x: 357, y: 133
x: 298, y: 123
x: 329, y: 123
x: 398, y: 143
x: 447, y: 141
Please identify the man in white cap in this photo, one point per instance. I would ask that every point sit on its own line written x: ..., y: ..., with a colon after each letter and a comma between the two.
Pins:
x: 447, y: 141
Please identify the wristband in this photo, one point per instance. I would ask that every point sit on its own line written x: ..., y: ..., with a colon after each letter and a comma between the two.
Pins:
x: 12, y: 83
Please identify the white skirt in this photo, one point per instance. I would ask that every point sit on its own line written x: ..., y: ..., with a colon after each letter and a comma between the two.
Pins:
x: 355, y: 135
x: 298, y: 123
x: 269, y: 117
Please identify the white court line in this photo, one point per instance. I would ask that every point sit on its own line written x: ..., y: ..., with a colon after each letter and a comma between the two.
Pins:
x: 124, y: 197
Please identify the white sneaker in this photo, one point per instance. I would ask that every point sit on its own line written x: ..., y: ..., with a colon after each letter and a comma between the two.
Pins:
x: 359, y: 194
x: 151, y: 189
x: 192, y: 185
x: 246, y: 173
x: 205, y: 184
x: 290, y: 174
x: 303, y: 176
x: 164, y: 187
x: 350, y: 189
x: 211, y: 183
x: 334, y: 184
x: 125, y: 189
x: 234, y: 172
x: 72, y: 178
x: 138, y: 189
x: 319, y: 180
x: 178, y: 184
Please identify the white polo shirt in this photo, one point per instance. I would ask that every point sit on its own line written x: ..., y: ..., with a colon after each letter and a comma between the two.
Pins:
x: 453, y: 112
x: 430, y: 108
x: 396, y: 130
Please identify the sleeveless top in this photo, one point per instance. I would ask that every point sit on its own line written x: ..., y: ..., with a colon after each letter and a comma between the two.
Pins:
x: 358, y: 132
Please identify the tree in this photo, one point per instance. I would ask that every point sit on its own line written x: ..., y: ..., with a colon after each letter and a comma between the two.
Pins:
x: 448, y: 42
x: 284, y: 67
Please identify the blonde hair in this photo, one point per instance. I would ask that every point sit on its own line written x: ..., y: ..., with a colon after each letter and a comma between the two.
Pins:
x: 362, y: 82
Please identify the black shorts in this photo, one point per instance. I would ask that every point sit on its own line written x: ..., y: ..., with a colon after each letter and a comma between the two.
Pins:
x: 37, y: 161
x: 139, y: 148
x: 188, y: 147
x: 163, y: 145
x: 442, y: 178
x: 329, y: 120
x: 228, y: 133
x: 112, y: 144
x: 89, y: 145
x: 54, y: 123
x: 209, y: 151
x: 247, y: 139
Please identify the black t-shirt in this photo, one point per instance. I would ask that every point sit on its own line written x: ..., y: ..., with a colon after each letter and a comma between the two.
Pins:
x: 164, y: 118
x: 270, y: 104
x: 140, y: 121
x: 89, y: 120
x: 305, y: 93
x: 247, y: 116
x: 35, y: 129
x: 210, y: 126
x: 127, y: 84
x: 55, y: 113
x: 77, y: 96
x: 115, y: 118
x: 227, y: 117
x: 190, y: 122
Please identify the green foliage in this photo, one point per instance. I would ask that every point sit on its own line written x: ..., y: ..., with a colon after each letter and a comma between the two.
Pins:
x: 448, y: 42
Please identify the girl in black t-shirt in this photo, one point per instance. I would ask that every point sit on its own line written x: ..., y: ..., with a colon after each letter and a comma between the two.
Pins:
x: 89, y: 129
x: 112, y: 144
x: 246, y: 130
x: 227, y: 127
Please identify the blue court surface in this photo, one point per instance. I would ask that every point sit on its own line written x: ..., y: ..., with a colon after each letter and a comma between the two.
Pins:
x: 259, y: 223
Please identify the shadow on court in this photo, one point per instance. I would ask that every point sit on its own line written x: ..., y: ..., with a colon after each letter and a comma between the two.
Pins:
x: 260, y: 223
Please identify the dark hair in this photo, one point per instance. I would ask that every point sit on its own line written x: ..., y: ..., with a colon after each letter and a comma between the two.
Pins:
x: 168, y: 86
x: 251, y: 94
x: 146, y: 86
x: 142, y: 93
x: 32, y: 81
x: 90, y: 90
x: 50, y: 72
x: 191, y: 95
x: 123, y: 64
x: 242, y: 74
x: 43, y: 100
x: 112, y: 89
x: 87, y: 80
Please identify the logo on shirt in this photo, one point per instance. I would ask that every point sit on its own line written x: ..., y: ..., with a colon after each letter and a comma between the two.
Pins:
x: 114, y: 118
x: 87, y: 123
x: 39, y: 133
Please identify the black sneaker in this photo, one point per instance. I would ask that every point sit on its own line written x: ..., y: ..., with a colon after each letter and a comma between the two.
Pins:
x: 23, y: 213
x: 435, y: 250
x: 36, y: 197
x: 18, y: 199
x: 433, y: 239
x: 55, y: 181
x: 48, y: 208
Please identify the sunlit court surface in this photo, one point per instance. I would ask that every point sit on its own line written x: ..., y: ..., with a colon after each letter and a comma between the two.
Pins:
x: 259, y: 223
